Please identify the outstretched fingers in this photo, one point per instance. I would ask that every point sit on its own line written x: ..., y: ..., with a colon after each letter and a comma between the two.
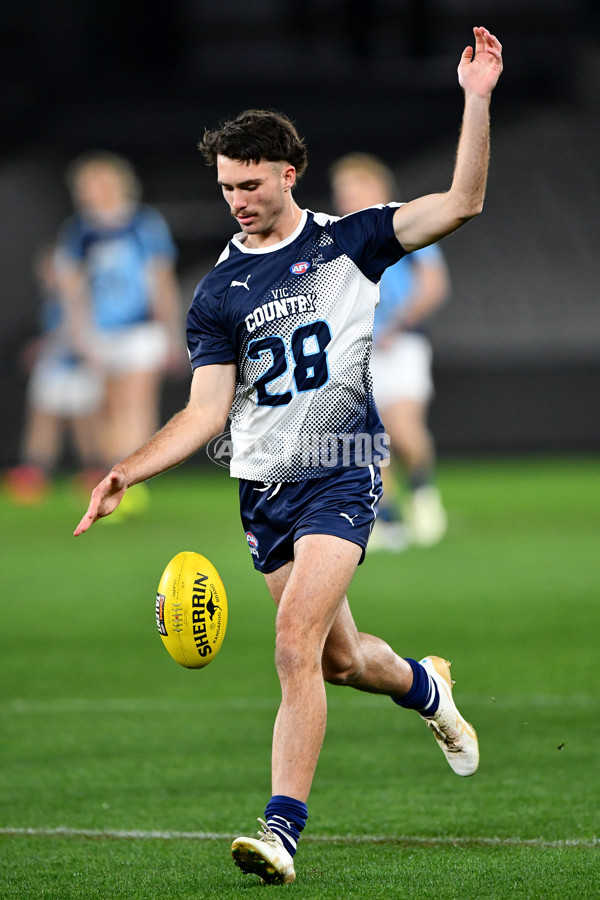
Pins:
x: 480, y: 69
x: 485, y: 42
x: 91, y: 514
x: 467, y: 55
x: 88, y: 520
x: 106, y: 496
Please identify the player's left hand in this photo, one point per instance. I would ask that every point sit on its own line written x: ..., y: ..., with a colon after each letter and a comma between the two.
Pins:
x: 106, y: 496
x: 479, y: 71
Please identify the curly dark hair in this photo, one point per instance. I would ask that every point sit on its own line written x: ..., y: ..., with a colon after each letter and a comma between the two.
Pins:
x: 255, y: 135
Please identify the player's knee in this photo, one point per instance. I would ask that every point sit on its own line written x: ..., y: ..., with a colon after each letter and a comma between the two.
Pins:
x: 294, y: 654
x: 342, y: 670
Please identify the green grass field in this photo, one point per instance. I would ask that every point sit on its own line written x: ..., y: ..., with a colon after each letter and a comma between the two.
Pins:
x: 125, y: 776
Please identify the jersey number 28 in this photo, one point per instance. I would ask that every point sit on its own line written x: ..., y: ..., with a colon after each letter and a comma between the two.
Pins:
x: 311, y: 371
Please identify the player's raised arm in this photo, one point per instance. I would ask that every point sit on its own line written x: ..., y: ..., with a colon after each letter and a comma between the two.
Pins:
x: 204, y: 417
x: 427, y: 219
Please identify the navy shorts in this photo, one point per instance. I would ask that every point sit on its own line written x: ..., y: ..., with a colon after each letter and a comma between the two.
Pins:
x: 275, y: 515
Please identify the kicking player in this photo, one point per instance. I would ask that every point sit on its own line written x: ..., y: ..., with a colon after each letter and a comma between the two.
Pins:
x: 279, y: 335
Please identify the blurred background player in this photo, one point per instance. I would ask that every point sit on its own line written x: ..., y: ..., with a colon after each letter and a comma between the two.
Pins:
x: 115, y: 263
x: 411, y: 291
x: 64, y: 394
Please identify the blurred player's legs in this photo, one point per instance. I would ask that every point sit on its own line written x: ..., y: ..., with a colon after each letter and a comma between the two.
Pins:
x: 403, y: 388
x: 410, y: 439
x: 390, y: 531
x: 133, y: 360
x: 28, y: 483
x: 62, y: 396
x: 130, y: 412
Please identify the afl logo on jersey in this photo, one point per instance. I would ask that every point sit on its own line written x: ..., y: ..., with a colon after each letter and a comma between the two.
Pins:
x: 300, y: 268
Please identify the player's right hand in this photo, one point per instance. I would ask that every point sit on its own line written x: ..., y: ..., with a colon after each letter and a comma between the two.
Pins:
x: 479, y: 71
x: 106, y: 496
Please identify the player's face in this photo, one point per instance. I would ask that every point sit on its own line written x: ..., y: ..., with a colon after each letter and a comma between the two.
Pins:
x: 99, y: 190
x: 256, y: 193
x: 355, y: 189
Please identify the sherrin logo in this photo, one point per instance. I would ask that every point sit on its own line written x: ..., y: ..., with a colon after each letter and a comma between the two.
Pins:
x: 300, y: 268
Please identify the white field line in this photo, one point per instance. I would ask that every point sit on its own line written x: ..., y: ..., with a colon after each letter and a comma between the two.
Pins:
x: 406, y: 839
x: 85, y: 705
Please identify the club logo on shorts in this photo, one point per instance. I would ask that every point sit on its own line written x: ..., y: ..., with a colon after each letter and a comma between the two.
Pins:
x: 300, y: 268
x: 252, y: 543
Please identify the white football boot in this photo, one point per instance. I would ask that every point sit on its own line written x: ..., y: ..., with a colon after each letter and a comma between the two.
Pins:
x: 265, y: 856
x: 388, y: 536
x: 426, y: 516
x: 455, y: 736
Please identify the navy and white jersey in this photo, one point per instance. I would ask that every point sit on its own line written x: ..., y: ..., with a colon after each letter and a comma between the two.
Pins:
x: 297, y: 320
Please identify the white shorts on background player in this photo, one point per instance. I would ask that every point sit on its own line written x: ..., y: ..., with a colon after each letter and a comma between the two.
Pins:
x: 402, y: 371
x: 64, y: 387
x: 136, y: 348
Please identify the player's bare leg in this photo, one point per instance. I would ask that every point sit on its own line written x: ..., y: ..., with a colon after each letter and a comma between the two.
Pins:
x: 131, y: 416
x: 366, y: 663
x: 317, y: 640
x: 131, y: 412
x: 27, y: 484
x: 86, y: 432
x: 351, y: 658
x: 308, y: 593
x: 308, y: 603
x: 363, y: 661
x: 405, y: 422
x: 43, y: 437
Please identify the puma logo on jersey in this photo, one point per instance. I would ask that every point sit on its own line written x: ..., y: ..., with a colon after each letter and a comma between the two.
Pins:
x: 350, y: 518
x: 243, y: 284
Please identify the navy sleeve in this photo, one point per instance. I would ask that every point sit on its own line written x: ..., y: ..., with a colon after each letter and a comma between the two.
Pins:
x: 208, y: 339
x: 368, y: 238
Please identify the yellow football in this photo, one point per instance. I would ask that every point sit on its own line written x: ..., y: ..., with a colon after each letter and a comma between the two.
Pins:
x: 191, y: 610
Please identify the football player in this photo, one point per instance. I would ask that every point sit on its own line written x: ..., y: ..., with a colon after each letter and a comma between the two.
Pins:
x: 279, y: 334
x: 115, y: 266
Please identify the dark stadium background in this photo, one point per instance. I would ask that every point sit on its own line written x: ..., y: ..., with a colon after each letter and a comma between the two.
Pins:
x: 517, y: 350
